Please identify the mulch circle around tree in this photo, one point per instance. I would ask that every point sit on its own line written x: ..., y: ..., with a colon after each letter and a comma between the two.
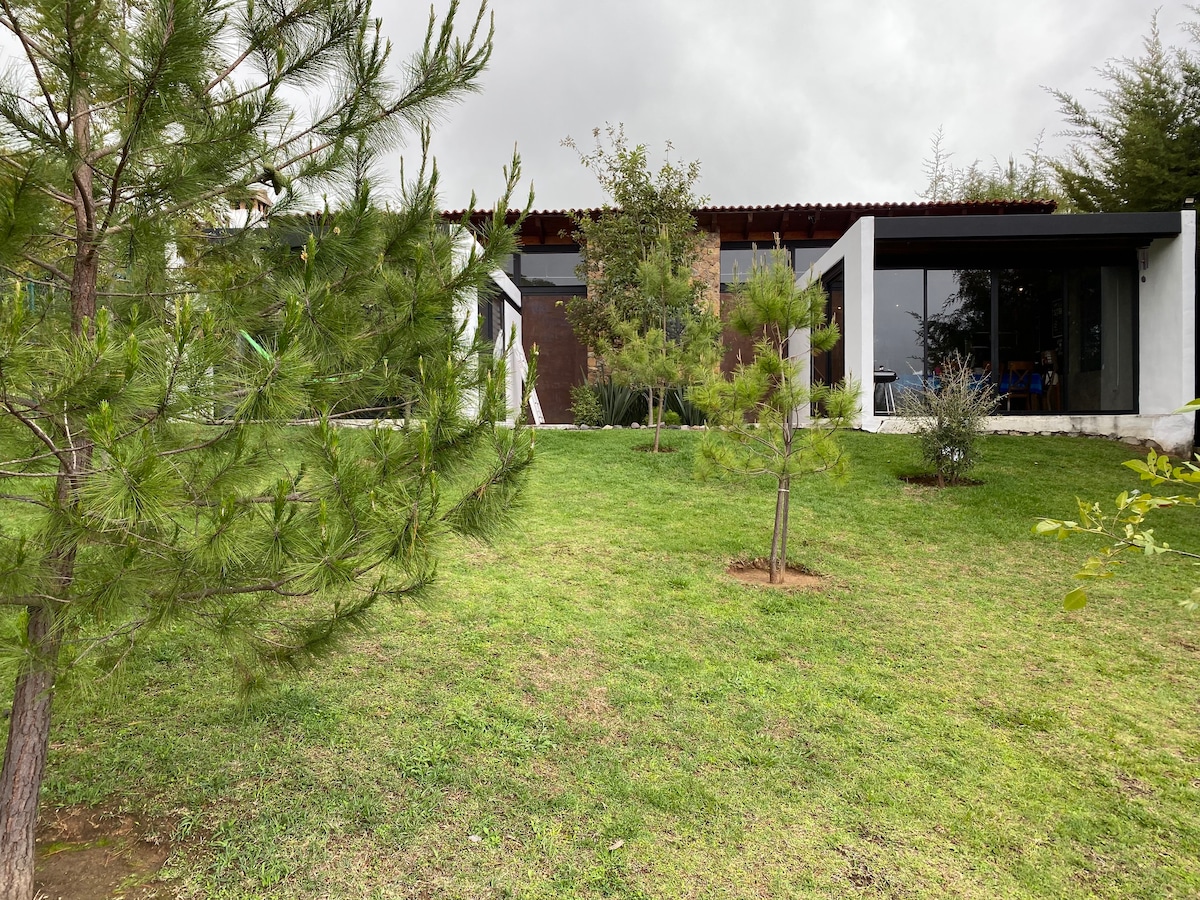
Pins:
x: 932, y: 481
x: 758, y: 572
x: 649, y: 448
x: 90, y: 853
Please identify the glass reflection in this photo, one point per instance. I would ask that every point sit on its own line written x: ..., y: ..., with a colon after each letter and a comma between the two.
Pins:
x: 736, y: 264
x: 803, y: 257
x: 1059, y: 339
x: 959, y: 318
x: 549, y: 269
x: 899, y: 310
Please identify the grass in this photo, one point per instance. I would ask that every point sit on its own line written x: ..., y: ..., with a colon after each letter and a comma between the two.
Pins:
x: 589, y: 708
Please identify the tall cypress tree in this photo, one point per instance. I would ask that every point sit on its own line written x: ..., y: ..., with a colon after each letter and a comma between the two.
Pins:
x: 1139, y: 150
x: 170, y: 391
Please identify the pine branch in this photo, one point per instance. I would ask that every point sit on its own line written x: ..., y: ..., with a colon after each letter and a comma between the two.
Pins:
x: 149, y: 89
x: 50, y: 268
x: 33, y: 52
x: 40, y: 433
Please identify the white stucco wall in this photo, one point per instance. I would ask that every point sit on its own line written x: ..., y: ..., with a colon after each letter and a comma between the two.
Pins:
x: 509, y: 343
x: 856, y: 251
x: 1166, y: 327
x: 466, y: 310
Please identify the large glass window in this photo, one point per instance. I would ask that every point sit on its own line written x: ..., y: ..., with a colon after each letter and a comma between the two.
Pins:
x: 1097, y: 368
x: 1029, y: 338
x: 548, y: 269
x: 736, y: 262
x: 1050, y: 340
x: 899, y: 312
x: 958, y: 318
x: 803, y: 257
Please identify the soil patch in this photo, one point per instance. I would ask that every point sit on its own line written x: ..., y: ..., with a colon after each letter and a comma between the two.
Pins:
x: 649, y: 448
x: 758, y: 572
x: 932, y: 481
x: 89, y: 853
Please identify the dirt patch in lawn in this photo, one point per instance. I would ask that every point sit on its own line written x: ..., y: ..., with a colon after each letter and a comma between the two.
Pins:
x: 758, y: 572
x: 89, y: 853
x: 932, y: 481
x: 649, y: 448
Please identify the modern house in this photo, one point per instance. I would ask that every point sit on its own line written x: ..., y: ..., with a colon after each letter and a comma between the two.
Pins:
x: 1086, y: 323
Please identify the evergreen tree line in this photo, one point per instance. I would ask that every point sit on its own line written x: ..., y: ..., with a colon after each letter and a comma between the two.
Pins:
x: 1136, y: 150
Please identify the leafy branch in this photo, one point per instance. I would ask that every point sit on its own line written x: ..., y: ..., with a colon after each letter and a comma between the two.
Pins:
x: 1124, y: 525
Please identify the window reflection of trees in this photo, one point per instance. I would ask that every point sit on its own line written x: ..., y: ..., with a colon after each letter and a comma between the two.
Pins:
x: 960, y: 315
x: 962, y: 321
x: 1026, y: 332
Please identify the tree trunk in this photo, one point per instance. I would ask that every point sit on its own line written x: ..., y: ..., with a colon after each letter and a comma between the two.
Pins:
x: 83, y: 288
x: 29, y: 725
x: 786, y: 492
x: 25, y: 758
x: 776, y: 561
x: 662, y: 405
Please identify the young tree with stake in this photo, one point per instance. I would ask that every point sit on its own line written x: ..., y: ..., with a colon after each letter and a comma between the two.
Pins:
x: 756, y: 411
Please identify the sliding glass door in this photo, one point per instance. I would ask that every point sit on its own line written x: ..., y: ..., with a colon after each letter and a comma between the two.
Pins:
x: 1050, y: 340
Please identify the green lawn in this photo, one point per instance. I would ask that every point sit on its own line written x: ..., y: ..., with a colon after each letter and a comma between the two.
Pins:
x: 590, y: 708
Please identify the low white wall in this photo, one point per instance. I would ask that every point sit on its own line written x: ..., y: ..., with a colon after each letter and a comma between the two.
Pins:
x: 1169, y: 433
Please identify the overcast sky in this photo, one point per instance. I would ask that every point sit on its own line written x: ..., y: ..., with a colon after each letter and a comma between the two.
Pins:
x: 781, y: 102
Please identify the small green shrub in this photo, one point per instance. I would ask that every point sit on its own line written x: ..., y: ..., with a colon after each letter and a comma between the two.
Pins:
x: 948, y: 418
x: 689, y: 413
x: 585, y: 406
x: 671, y: 418
x: 620, y: 405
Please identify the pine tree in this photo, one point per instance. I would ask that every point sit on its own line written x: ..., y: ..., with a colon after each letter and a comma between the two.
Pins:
x: 678, y: 351
x: 170, y: 390
x: 1033, y: 178
x: 754, y: 416
x: 1140, y: 150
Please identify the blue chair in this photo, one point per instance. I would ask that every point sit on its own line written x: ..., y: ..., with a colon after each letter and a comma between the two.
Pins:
x: 1018, y: 383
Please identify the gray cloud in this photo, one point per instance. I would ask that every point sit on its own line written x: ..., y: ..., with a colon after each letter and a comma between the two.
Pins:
x: 781, y: 102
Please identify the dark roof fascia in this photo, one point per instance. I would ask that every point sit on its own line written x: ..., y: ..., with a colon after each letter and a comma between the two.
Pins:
x: 793, y: 222
x: 1129, y: 226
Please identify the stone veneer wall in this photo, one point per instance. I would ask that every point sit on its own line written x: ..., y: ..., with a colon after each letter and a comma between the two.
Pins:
x: 707, y: 270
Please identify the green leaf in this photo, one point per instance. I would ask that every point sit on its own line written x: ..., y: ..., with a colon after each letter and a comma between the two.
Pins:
x: 1076, y: 599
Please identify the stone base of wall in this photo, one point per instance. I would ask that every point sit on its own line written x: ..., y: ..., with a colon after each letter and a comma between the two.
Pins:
x: 1170, y: 434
